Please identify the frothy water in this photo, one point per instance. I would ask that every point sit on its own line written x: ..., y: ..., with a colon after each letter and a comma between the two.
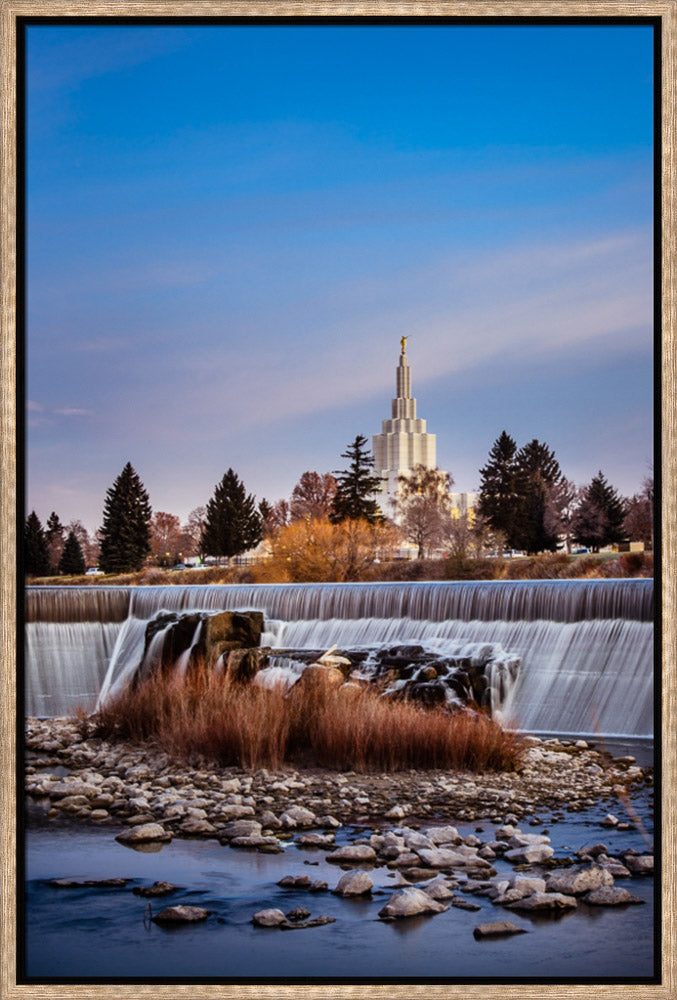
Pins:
x: 586, y: 646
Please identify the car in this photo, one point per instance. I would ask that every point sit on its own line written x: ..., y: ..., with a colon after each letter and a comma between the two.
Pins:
x: 94, y: 571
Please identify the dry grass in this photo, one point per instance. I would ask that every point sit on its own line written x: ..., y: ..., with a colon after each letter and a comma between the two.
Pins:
x: 344, y: 728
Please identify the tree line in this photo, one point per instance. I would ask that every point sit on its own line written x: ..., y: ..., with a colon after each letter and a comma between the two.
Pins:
x: 525, y: 503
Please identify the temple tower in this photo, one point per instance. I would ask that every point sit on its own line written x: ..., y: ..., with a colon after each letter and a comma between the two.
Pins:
x: 403, y: 442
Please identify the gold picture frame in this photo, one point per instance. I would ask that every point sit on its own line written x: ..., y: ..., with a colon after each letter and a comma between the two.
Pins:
x: 11, y: 12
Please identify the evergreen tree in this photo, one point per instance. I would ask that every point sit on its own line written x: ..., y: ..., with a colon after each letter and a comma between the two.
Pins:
x: 125, y: 533
x: 72, y: 561
x: 36, y: 556
x: 600, y: 515
x: 497, y: 502
x: 356, y: 486
x: 537, y: 472
x: 55, y: 534
x: 233, y: 525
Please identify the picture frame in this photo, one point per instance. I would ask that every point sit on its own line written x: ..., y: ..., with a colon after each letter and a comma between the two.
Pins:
x: 12, y: 12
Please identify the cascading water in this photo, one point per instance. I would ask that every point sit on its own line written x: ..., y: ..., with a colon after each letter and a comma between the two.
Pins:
x: 586, y: 646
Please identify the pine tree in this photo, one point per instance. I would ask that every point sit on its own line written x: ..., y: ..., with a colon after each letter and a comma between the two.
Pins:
x: 356, y: 486
x: 233, y: 524
x: 537, y: 471
x: 55, y: 534
x: 72, y: 561
x: 497, y: 502
x: 125, y: 533
x: 36, y: 556
x: 600, y: 515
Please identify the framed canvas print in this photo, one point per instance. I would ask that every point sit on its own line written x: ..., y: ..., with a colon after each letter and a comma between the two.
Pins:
x: 338, y: 499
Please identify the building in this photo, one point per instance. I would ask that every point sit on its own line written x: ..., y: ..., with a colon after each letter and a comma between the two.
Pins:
x: 405, y: 443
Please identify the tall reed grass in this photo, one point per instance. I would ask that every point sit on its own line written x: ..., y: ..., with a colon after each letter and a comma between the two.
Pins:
x: 345, y: 727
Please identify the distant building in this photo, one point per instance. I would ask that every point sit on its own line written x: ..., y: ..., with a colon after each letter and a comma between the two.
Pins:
x: 405, y: 443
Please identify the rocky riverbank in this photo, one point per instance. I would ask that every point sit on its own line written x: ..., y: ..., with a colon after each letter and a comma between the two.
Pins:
x: 114, y: 783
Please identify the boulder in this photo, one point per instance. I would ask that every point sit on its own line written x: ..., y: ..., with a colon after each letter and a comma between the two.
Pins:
x: 410, y: 903
x: 144, y: 834
x: 499, y: 928
x: 297, y: 816
x: 352, y: 854
x: 442, y: 835
x: 156, y: 889
x: 181, y: 915
x: 639, y: 864
x: 354, y: 884
x: 241, y: 828
x: 269, y: 918
x: 295, y: 882
x: 609, y: 895
x: 579, y: 879
x: 532, y: 854
x: 545, y: 901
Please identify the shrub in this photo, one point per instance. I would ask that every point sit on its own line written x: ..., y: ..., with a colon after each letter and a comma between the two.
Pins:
x: 345, y: 727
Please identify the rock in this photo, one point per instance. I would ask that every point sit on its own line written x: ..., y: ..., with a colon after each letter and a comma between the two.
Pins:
x: 315, y: 922
x: 144, y: 834
x: 438, y: 857
x: 297, y: 816
x: 319, y: 886
x: 181, y: 915
x: 270, y: 845
x: 497, y: 929
x: 320, y: 675
x: 397, y: 812
x: 198, y: 828
x: 241, y: 828
x: 315, y: 840
x: 579, y: 879
x: 354, y: 884
x: 295, y: 882
x: 519, y: 888
x: 442, y: 835
x: 102, y: 883
x: 609, y: 820
x: 544, y: 901
x: 639, y: 864
x: 610, y: 896
x: 269, y: 918
x: 409, y: 903
x: 300, y: 913
x: 270, y: 821
x: 156, y: 889
x: 438, y: 889
x: 529, y: 855
x: 352, y: 854
x: 465, y: 904
x: 527, y: 839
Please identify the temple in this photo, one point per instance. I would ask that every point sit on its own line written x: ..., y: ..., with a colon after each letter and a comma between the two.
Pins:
x: 403, y: 442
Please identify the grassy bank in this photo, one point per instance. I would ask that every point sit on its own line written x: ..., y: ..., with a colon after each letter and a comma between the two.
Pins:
x: 557, y: 566
x: 345, y: 728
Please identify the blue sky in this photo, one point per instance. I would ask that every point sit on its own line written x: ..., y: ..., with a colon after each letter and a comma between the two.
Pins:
x: 229, y: 228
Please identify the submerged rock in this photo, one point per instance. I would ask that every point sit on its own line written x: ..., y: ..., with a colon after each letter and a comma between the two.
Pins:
x: 497, y: 929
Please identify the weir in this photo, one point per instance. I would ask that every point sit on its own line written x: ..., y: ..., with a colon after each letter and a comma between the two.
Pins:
x: 586, y: 645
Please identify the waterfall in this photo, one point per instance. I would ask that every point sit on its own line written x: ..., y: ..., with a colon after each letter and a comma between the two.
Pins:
x: 586, y: 645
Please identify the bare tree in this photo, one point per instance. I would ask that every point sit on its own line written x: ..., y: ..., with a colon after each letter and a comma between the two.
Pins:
x: 422, y: 507
x: 560, y: 507
x: 166, y: 538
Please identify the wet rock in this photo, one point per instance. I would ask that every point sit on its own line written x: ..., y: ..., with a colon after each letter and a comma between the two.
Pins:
x: 527, y: 840
x: 156, y: 889
x: 181, y: 915
x: 639, y: 864
x: 241, y: 828
x: 270, y: 845
x: 352, y: 854
x: 545, y: 901
x: 315, y: 840
x: 354, y: 884
x: 144, y: 834
x: 315, y: 922
x: 609, y: 820
x: 295, y: 882
x: 269, y: 918
x: 499, y: 928
x: 438, y: 889
x: 409, y: 903
x: 442, y: 835
x: 102, y: 883
x: 300, y: 913
x: 610, y: 896
x: 579, y: 879
x: 519, y: 888
x: 465, y: 904
x: 319, y: 886
x: 534, y: 854
x: 297, y: 816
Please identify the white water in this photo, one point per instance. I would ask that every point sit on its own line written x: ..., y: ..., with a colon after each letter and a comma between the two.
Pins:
x: 586, y: 646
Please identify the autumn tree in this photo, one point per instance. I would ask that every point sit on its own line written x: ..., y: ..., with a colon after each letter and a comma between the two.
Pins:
x: 312, y: 496
x: 125, y: 532
x: 423, y: 506
x: 35, y: 553
x: 356, y: 486
x: 72, y: 560
x: 232, y: 524
x: 317, y: 550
